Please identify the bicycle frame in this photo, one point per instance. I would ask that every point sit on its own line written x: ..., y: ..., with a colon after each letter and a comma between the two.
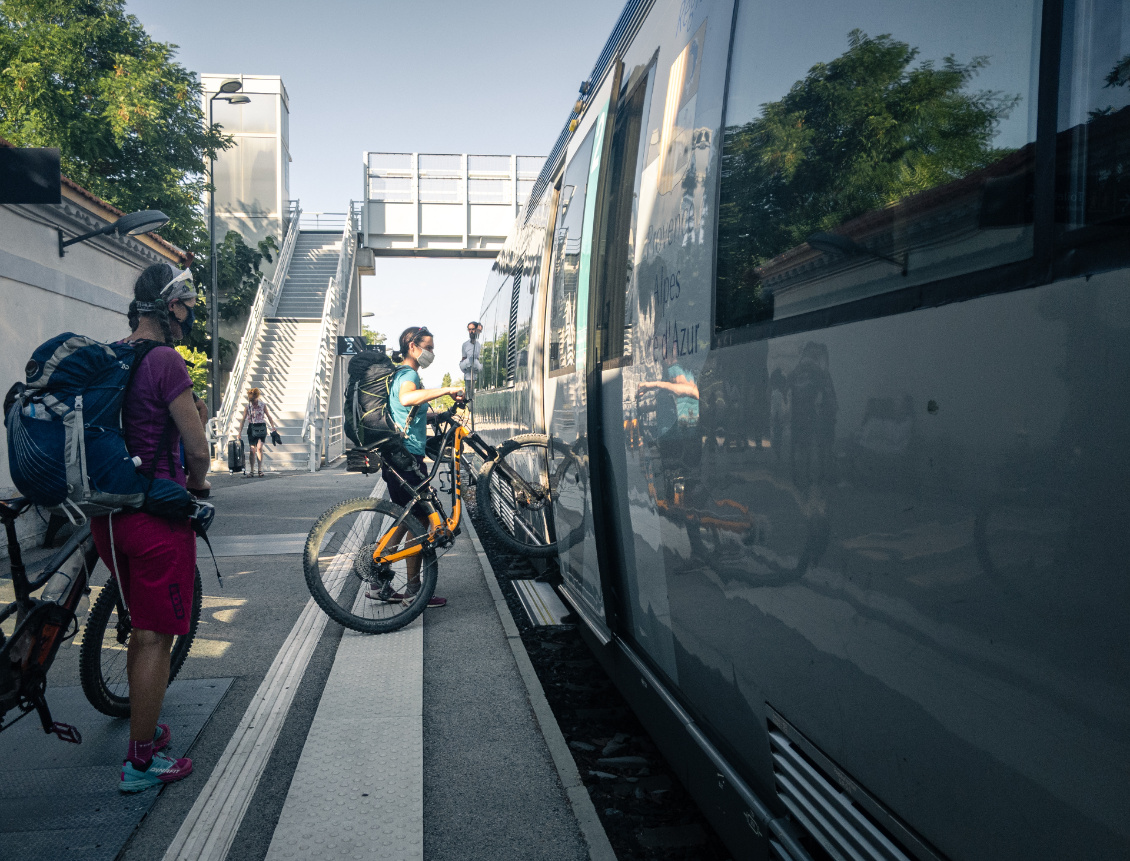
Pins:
x: 42, y: 627
x: 440, y: 531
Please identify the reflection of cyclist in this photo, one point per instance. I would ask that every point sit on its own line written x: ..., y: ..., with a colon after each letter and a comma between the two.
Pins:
x: 406, y: 392
x: 155, y: 558
x: 679, y: 441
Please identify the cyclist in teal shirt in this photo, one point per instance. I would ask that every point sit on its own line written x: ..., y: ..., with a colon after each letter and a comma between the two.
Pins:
x: 406, y: 391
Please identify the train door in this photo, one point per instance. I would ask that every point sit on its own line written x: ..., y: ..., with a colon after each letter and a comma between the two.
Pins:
x: 650, y: 322
x: 567, y: 355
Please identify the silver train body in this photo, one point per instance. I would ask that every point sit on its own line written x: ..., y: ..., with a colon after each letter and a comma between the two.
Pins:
x: 829, y: 305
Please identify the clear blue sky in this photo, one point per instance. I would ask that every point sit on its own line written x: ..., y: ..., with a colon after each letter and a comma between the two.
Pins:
x: 438, y: 76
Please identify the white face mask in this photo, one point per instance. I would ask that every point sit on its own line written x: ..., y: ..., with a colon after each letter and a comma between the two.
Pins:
x: 426, y: 358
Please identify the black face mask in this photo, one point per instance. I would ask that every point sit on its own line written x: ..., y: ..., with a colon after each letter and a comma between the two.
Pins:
x: 186, y: 323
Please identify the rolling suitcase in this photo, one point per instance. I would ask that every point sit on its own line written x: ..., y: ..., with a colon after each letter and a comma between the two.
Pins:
x: 235, y: 455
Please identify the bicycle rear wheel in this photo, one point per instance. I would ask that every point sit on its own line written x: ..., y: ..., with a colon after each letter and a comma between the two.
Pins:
x: 348, y: 585
x: 520, y: 511
x: 105, y: 643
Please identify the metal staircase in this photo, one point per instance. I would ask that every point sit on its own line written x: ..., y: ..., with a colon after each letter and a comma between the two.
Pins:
x: 290, y: 353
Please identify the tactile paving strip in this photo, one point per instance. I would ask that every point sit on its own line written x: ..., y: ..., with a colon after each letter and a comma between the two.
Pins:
x: 358, y: 789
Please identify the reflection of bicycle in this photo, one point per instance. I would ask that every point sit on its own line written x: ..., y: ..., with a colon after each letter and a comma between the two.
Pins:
x: 43, y: 624
x: 357, y: 555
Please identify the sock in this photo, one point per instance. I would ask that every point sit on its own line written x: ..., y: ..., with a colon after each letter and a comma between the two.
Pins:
x: 140, y: 754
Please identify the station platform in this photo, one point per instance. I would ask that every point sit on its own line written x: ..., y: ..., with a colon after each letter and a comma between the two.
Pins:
x: 432, y: 742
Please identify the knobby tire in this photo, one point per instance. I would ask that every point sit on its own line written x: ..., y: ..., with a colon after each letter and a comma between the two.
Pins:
x: 492, y: 497
x: 102, y: 665
x: 337, y: 563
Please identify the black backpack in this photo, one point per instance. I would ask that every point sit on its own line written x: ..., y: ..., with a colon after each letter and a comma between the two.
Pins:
x: 368, y: 418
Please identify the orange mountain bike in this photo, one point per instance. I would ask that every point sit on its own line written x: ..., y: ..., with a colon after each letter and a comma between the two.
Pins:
x: 371, y: 564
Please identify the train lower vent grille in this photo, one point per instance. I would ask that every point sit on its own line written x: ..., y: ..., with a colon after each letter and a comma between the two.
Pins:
x: 829, y: 816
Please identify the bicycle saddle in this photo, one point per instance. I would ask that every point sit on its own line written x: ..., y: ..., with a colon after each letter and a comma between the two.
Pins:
x: 12, y: 508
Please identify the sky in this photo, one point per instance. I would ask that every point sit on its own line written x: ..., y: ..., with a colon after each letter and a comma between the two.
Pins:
x: 419, y: 76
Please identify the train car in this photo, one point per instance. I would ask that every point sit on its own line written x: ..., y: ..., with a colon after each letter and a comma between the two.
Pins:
x: 826, y: 305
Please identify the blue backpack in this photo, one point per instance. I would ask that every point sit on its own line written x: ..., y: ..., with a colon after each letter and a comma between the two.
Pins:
x: 65, y: 444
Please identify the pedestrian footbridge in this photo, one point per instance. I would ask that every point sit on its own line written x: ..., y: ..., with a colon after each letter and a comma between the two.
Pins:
x: 413, y: 205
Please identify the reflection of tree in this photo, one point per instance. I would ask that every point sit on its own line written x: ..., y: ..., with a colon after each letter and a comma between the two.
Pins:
x: 855, y: 135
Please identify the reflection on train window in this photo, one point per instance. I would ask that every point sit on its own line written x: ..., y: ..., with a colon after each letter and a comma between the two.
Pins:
x: 614, y: 315
x: 488, y: 377
x: 567, y: 259
x: 1093, y: 144
x: 870, y: 147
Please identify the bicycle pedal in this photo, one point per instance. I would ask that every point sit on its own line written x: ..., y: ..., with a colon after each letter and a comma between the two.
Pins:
x: 66, y: 732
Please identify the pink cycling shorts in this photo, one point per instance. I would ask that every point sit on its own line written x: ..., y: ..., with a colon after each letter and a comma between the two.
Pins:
x: 156, y: 562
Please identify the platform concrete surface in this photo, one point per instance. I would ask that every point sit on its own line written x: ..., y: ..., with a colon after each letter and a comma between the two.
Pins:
x: 485, y: 786
x: 491, y: 790
x: 314, y: 717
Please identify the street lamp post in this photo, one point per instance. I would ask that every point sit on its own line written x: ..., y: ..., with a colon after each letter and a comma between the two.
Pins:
x: 224, y: 94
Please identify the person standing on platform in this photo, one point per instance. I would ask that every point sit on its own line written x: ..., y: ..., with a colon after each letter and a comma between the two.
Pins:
x: 255, y: 416
x: 153, y: 558
x: 472, y: 364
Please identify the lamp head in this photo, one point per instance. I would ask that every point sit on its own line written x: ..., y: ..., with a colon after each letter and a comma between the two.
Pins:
x: 238, y: 100
x: 139, y: 222
x: 231, y: 85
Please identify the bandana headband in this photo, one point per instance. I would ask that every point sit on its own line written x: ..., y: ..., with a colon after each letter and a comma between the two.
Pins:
x: 181, y: 287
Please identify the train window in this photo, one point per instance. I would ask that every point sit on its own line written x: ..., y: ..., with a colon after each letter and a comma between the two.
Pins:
x: 567, y: 258
x: 1093, y: 144
x: 488, y: 377
x: 512, y: 328
x: 870, y: 147
x: 614, y: 313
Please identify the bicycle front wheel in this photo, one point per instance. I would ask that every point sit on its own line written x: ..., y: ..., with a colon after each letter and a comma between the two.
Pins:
x: 105, y: 644
x: 516, y: 493
x: 345, y: 580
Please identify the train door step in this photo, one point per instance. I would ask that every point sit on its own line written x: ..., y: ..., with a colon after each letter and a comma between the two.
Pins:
x: 541, y: 602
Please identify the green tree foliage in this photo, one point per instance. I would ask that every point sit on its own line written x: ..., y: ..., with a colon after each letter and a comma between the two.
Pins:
x: 372, y: 336
x: 856, y: 134
x: 446, y: 401
x: 237, y: 267
x: 84, y: 76
x: 239, y: 278
x: 197, y: 361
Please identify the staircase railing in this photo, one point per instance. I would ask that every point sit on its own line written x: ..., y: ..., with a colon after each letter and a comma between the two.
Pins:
x: 333, y: 312
x: 266, y: 298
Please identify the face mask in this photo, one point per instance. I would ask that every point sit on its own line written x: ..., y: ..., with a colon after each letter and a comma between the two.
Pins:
x: 426, y: 358
x: 186, y: 323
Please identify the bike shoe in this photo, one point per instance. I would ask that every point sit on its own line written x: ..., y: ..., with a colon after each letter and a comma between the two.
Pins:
x: 163, y: 769
x: 162, y: 737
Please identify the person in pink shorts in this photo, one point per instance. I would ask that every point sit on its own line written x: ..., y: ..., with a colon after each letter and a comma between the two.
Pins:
x: 154, y: 558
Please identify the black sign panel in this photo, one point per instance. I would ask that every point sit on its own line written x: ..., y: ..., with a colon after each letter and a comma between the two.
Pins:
x: 30, y: 175
x: 351, y: 345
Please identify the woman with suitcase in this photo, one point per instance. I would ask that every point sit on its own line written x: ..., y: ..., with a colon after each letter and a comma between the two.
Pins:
x: 255, y: 417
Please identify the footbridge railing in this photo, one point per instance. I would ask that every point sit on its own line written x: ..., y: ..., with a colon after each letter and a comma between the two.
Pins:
x: 265, y: 300
x: 333, y: 316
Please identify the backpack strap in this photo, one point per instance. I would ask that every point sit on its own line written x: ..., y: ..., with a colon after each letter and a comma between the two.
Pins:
x: 141, y: 349
x: 411, y: 410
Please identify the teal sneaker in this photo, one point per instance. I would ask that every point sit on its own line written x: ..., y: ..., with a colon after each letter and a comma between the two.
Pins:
x: 163, y: 769
x: 162, y: 737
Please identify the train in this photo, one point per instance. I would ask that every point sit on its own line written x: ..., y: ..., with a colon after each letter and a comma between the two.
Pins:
x: 829, y: 305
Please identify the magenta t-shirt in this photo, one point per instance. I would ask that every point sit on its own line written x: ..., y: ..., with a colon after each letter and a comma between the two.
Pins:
x: 160, y: 378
